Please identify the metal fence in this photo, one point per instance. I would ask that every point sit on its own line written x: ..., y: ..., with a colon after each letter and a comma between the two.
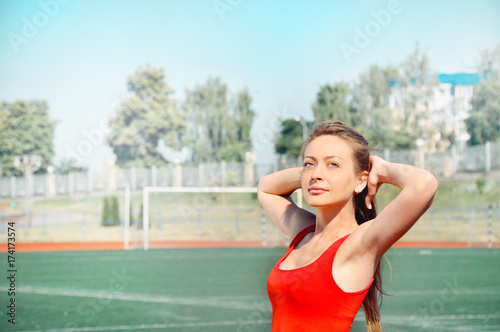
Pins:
x: 483, y: 158
x: 476, y: 226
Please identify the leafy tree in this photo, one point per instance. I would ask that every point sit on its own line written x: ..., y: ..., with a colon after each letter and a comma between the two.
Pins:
x: 332, y: 104
x: 115, y: 211
x: 374, y: 118
x: 489, y: 64
x: 289, y: 140
x: 105, y: 211
x: 25, y: 128
x: 110, y: 211
x: 371, y: 92
x: 140, y: 217
x: 131, y: 219
x: 219, y: 127
x: 68, y: 166
x: 144, y: 119
x: 415, y: 90
x: 483, y: 123
x: 382, y: 134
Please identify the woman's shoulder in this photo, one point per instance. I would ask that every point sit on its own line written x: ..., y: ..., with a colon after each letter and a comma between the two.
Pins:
x: 301, y: 234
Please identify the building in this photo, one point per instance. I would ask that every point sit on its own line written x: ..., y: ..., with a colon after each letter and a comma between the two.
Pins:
x: 440, y: 105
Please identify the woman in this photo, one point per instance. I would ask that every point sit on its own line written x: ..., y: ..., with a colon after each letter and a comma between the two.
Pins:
x: 332, y: 264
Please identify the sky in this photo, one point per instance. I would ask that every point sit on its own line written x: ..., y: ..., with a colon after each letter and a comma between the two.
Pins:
x: 77, y: 54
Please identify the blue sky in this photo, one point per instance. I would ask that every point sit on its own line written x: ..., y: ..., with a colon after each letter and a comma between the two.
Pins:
x: 78, y: 54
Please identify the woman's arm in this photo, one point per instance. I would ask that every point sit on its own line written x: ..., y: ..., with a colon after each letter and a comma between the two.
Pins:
x: 274, y: 192
x: 418, y: 187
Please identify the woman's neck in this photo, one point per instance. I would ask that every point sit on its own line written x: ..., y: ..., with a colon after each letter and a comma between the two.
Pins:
x: 336, y: 222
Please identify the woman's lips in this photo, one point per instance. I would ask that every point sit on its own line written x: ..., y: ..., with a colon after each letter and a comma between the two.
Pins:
x: 317, y: 190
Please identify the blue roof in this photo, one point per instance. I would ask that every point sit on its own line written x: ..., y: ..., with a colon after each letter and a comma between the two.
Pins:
x: 460, y: 78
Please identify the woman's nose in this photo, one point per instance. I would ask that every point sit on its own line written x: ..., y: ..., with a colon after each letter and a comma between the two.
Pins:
x: 317, y: 173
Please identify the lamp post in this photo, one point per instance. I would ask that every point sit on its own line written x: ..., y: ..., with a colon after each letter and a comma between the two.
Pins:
x: 29, y: 164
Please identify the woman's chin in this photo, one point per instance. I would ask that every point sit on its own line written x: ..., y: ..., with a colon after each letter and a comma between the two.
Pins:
x: 315, y: 203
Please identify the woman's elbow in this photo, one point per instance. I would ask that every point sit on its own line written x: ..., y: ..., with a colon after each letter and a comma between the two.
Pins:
x: 427, y: 185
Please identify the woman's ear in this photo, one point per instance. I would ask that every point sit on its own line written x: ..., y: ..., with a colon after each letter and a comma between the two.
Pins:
x: 361, y: 182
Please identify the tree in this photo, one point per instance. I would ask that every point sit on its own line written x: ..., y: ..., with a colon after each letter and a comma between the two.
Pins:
x: 332, y: 104
x: 110, y: 211
x: 412, y: 94
x: 146, y: 118
x: 289, y: 140
x: 66, y: 166
x: 489, y: 65
x: 219, y: 126
x: 483, y: 123
x: 106, y: 212
x: 371, y: 92
x: 416, y: 89
x: 25, y: 128
x: 371, y: 109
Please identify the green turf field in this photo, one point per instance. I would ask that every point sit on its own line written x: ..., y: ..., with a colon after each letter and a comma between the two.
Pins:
x: 225, y: 290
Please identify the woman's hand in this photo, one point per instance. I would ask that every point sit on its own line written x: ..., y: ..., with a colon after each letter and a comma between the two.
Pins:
x: 377, y: 167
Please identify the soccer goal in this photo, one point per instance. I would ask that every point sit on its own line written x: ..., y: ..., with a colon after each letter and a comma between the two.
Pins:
x: 200, y: 214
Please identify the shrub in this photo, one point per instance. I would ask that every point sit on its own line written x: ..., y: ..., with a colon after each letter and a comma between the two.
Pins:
x: 110, y: 212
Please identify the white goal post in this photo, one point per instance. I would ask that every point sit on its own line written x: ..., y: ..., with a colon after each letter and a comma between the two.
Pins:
x: 146, y: 191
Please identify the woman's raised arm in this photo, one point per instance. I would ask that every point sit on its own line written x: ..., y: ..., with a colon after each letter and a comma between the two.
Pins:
x: 418, y: 187
x: 274, y: 192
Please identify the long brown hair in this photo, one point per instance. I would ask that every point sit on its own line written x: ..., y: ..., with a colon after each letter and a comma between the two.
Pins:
x: 361, y: 154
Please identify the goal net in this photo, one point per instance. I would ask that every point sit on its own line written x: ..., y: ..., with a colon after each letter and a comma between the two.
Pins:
x: 223, y: 216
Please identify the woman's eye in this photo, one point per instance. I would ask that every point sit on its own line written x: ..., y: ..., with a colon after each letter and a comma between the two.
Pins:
x: 333, y: 164
x: 308, y: 164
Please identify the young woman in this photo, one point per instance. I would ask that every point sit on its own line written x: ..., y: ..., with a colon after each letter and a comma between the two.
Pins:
x: 332, y: 265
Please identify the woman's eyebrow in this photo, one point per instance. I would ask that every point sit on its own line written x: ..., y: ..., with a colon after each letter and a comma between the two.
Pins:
x: 332, y: 157
x: 325, y: 158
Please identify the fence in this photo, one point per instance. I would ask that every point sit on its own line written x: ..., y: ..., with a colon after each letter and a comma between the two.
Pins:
x: 477, y: 226
x: 483, y: 158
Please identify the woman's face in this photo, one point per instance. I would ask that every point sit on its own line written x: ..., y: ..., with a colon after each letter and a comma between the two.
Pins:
x: 329, y: 177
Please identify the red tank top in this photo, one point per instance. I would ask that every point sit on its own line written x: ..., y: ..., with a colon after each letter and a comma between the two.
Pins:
x: 308, y: 298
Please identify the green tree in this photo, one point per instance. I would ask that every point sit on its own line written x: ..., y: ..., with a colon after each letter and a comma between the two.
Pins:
x: 370, y: 105
x: 140, y: 217
x: 115, y: 211
x: 219, y: 126
x: 289, y: 140
x: 146, y: 118
x: 332, y: 104
x: 415, y: 90
x: 105, y: 215
x: 110, y: 211
x: 131, y: 218
x: 66, y: 166
x: 483, y: 123
x: 371, y: 92
x: 25, y: 128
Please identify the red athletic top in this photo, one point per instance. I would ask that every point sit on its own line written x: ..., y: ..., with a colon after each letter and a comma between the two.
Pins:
x: 308, y: 298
